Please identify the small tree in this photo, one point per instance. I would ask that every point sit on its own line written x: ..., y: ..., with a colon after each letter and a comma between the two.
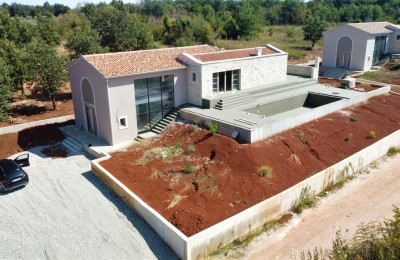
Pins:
x: 48, y: 70
x: 313, y: 29
x: 5, y: 94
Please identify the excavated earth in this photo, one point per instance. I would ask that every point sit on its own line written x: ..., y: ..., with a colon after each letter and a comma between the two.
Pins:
x: 195, y: 179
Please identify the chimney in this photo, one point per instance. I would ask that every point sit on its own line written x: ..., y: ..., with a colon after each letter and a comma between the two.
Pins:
x: 258, y: 51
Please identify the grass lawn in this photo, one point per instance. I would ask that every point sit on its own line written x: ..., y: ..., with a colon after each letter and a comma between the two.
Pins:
x: 293, y: 44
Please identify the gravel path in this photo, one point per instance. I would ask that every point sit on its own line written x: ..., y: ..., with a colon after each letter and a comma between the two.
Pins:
x: 370, y: 197
x: 66, y: 212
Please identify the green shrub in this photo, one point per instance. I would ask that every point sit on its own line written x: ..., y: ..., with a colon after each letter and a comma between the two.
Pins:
x: 353, y: 119
x: 265, y: 171
x: 305, y: 201
x: 188, y: 168
x: 213, y: 127
x: 372, y: 134
x: 395, y: 66
x: 271, y: 30
x: 392, y: 151
x: 349, y: 137
x: 190, y: 149
x: 290, y: 32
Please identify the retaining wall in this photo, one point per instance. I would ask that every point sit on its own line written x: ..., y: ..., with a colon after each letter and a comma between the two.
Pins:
x: 282, y: 125
x: 254, y: 134
x: 203, y: 243
x: 306, y: 71
x: 20, y: 127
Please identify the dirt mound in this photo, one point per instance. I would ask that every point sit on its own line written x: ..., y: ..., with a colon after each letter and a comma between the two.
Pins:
x: 195, y: 179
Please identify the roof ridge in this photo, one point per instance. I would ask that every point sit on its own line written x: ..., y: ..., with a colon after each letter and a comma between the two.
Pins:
x: 148, y: 50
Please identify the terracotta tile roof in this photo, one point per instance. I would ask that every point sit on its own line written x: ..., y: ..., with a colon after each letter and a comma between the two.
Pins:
x: 373, y: 27
x: 135, y: 62
x: 232, y: 54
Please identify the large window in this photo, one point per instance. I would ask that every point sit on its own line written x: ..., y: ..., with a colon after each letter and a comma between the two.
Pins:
x: 154, y: 99
x: 226, y: 81
x: 379, y: 49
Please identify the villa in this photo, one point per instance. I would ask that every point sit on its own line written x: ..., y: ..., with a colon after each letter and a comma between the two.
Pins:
x: 120, y: 95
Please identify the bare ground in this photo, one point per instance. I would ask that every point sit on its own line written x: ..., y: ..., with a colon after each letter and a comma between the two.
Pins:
x: 370, y: 197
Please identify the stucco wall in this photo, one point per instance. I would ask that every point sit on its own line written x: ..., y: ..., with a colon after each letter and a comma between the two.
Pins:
x: 122, y: 101
x: 76, y: 73
x: 359, y: 47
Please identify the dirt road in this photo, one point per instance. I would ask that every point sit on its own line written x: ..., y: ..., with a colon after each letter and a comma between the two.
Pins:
x: 368, y: 198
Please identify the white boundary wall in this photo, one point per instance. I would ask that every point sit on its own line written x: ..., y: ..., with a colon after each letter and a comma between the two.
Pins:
x: 300, y: 70
x: 203, y: 243
x: 20, y: 127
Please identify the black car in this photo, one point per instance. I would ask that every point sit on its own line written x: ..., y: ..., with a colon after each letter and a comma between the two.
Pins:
x: 11, y: 173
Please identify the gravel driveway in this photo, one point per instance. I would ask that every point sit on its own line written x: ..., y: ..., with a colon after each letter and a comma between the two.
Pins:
x: 66, y: 212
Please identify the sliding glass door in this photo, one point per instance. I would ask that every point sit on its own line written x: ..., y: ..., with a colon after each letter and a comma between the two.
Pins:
x: 226, y: 81
x: 154, y: 99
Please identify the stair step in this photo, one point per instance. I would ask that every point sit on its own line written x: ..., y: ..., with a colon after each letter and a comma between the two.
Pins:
x: 72, y: 145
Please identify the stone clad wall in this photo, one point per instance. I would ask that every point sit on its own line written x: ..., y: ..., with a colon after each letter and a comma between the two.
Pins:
x: 254, y: 71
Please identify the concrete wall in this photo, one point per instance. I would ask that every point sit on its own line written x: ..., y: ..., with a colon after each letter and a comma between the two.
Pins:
x: 77, y: 72
x: 359, y: 47
x: 203, y: 243
x: 306, y: 71
x: 265, y: 131
x: 169, y: 233
x: 20, y: 127
x: 252, y: 135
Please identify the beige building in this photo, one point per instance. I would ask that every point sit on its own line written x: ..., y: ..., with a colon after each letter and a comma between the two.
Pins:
x: 119, y: 95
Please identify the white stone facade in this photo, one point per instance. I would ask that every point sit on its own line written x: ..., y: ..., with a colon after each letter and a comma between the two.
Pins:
x: 254, y: 72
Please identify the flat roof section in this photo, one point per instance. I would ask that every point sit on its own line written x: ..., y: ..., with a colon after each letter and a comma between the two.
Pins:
x: 233, y: 54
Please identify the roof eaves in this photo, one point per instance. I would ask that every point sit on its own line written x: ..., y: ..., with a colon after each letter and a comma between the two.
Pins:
x: 73, y: 62
x: 143, y: 73
x: 93, y: 67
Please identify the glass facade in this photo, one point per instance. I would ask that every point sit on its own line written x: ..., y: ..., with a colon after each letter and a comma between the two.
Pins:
x: 154, y: 99
x: 226, y: 81
x: 379, y: 49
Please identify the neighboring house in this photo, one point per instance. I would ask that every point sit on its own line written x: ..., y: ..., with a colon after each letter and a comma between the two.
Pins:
x: 359, y: 46
x: 118, y: 95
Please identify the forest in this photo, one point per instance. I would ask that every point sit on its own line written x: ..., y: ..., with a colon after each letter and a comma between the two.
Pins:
x: 36, y: 42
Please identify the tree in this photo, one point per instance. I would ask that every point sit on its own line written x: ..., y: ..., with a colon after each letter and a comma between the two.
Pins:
x: 48, y: 70
x: 48, y: 30
x: 313, y: 29
x: 5, y: 93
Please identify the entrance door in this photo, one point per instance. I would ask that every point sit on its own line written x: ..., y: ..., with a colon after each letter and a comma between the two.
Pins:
x: 343, y: 52
x: 379, y: 49
x: 91, y: 119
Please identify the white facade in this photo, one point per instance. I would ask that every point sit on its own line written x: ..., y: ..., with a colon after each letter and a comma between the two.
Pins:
x: 360, y: 55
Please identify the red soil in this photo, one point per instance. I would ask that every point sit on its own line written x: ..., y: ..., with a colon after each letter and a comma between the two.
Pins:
x: 229, y: 182
x: 337, y: 84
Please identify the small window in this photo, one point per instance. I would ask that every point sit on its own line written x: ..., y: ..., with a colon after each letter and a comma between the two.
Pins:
x: 123, y: 122
x: 194, y: 76
x: 398, y: 37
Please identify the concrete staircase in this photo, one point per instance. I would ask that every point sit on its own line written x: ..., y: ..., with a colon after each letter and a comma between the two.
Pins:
x: 166, y: 121
x: 233, y: 101
x: 161, y: 125
x: 252, y: 96
x: 72, y: 145
x: 335, y: 74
